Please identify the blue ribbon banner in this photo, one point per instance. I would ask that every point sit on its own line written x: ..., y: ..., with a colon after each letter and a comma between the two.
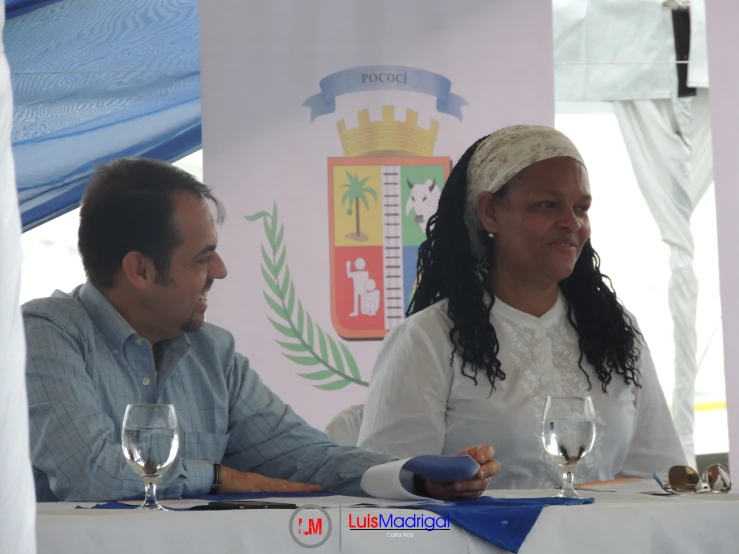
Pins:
x: 385, y: 77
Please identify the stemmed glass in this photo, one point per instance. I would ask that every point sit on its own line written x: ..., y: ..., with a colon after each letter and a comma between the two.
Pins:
x: 150, y: 442
x: 568, y: 434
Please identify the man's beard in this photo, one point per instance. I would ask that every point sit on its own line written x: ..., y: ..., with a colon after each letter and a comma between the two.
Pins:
x: 190, y: 326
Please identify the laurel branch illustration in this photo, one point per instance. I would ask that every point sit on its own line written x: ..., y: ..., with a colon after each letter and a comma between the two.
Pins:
x: 307, y: 344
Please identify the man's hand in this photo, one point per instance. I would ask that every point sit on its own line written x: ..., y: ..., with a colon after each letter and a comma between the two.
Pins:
x: 234, y: 481
x: 472, y: 488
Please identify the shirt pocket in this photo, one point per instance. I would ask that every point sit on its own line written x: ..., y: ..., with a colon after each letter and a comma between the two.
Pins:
x: 203, y: 446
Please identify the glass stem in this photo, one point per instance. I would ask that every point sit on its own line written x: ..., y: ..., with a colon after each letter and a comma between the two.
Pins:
x: 150, y: 501
x: 568, y: 481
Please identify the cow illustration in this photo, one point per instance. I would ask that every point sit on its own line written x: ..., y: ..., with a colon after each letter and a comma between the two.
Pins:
x: 424, y: 201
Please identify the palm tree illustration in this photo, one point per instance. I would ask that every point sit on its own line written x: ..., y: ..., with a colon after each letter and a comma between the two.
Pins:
x: 356, y: 191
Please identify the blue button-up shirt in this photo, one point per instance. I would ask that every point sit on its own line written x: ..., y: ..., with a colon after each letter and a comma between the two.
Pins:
x: 86, y: 363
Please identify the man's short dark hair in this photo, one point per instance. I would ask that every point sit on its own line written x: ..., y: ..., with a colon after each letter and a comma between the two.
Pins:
x: 128, y: 206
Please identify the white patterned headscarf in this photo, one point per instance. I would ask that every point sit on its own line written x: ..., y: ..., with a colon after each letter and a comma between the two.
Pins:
x: 500, y: 157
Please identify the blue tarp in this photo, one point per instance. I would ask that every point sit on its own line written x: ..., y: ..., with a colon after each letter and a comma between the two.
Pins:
x: 94, y: 80
x: 14, y: 8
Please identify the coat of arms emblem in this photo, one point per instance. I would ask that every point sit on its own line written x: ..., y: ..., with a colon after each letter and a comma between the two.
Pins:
x: 381, y: 196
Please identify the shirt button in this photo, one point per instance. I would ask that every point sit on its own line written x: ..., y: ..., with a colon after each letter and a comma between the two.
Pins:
x: 138, y: 342
x: 145, y: 381
x: 115, y: 353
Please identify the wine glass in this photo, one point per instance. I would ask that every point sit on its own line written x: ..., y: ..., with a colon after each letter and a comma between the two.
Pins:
x: 150, y: 442
x: 568, y: 434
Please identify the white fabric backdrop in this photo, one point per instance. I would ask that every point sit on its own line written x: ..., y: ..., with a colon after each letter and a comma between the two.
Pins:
x: 669, y: 143
x: 613, y: 50
x: 723, y: 44
x: 260, y: 64
x: 625, y: 53
x: 698, y: 66
x: 17, y: 497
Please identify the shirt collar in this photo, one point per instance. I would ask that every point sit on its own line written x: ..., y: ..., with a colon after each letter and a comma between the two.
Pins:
x: 116, y: 330
x: 113, y: 325
x: 552, y: 316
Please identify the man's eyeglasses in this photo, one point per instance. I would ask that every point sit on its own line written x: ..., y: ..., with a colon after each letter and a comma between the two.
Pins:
x: 684, y: 480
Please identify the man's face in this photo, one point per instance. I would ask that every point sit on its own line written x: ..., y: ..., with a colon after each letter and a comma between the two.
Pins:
x: 178, y: 302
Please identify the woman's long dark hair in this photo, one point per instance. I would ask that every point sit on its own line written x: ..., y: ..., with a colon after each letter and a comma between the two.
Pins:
x: 448, y: 269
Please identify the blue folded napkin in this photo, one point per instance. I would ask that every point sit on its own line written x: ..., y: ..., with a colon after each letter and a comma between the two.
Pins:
x: 115, y: 505
x: 503, y: 522
x: 443, y: 468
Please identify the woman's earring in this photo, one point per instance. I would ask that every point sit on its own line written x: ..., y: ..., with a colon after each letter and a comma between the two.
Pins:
x: 491, y: 235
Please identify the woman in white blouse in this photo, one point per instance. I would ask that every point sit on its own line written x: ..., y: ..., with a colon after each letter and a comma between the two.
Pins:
x: 511, y: 306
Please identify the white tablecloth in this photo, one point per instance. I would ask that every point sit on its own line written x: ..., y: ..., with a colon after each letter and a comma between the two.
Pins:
x: 615, y: 523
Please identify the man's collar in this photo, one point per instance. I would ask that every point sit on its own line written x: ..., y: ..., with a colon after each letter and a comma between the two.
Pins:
x: 114, y: 326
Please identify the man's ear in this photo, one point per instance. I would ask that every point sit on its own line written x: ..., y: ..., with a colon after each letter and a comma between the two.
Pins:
x: 138, y: 270
x: 486, y: 211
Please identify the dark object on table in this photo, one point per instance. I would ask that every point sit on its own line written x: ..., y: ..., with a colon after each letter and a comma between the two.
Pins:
x: 245, y: 505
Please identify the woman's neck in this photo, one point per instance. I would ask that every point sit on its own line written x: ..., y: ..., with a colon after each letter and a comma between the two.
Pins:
x: 524, y: 296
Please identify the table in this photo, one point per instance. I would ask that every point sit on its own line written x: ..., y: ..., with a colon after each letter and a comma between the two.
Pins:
x: 615, y: 523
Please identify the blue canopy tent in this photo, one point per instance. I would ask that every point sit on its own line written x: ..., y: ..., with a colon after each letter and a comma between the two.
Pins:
x: 94, y: 80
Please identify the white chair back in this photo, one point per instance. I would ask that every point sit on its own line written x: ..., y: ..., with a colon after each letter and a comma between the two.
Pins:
x: 344, y: 426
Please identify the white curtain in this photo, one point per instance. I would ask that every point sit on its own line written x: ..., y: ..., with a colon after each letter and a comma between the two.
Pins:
x: 613, y: 50
x: 624, y: 52
x: 17, y: 497
x: 698, y: 66
x: 669, y: 143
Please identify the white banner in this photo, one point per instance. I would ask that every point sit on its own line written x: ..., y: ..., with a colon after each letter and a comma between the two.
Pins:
x: 329, y: 130
x: 723, y: 44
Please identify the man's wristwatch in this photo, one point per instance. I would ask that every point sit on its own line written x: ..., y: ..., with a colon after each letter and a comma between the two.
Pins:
x: 216, y: 479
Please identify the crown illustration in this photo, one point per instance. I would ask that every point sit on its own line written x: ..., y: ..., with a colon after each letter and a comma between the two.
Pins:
x: 388, y: 137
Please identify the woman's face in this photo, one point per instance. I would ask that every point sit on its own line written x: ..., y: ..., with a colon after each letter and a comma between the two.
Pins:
x: 541, y: 222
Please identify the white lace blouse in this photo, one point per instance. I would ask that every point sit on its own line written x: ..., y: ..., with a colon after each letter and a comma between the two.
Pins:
x: 419, y: 404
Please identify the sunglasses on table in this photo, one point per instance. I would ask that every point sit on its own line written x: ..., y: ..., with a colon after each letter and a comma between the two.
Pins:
x: 685, y: 480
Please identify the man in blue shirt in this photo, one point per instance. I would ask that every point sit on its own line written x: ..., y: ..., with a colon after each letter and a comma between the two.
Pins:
x: 135, y: 332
